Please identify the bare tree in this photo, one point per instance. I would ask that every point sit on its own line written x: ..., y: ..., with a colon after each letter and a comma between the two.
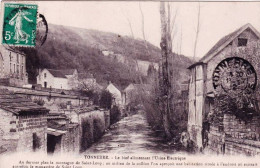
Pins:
x: 197, y: 33
x: 166, y: 47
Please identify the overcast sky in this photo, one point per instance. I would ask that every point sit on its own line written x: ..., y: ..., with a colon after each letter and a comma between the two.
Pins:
x: 217, y: 19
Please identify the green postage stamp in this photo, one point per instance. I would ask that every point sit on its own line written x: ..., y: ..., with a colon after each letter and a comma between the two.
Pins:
x: 19, y: 24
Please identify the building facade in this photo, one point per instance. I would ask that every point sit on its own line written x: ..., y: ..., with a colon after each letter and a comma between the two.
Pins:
x: 223, y: 110
x: 116, y: 93
x: 58, y: 79
x: 13, y: 67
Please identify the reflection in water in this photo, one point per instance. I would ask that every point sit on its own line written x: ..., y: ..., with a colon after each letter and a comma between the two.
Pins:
x: 131, y: 135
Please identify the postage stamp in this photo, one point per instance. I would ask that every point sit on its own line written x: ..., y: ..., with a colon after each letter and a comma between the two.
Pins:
x: 19, y: 24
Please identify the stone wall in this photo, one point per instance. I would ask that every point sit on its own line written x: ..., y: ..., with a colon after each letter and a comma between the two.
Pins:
x: 216, y: 140
x: 242, y: 137
x: 235, y: 146
x: 92, y: 127
x: 8, y: 138
x: 236, y: 137
x: 27, y: 125
x: 70, y: 141
x: 23, y: 132
x: 92, y: 124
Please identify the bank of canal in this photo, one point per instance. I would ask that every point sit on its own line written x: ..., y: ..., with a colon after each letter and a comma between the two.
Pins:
x: 131, y: 135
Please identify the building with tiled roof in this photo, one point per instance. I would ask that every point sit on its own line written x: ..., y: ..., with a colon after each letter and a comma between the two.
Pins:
x: 23, y: 123
x: 58, y: 79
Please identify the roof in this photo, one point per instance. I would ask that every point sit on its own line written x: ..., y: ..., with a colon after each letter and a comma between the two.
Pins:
x: 57, y: 73
x: 17, y: 104
x: 61, y: 73
x: 223, y: 42
x: 55, y: 125
x: 85, y: 75
x: 56, y: 116
x: 55, y: 132
x: 139, y: 87
x: 114, y: 85
x: 68, y: 71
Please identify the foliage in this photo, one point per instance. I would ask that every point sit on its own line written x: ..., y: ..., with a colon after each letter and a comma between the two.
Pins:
x: 105, y: 99
x: 114, y: 114
x: 67, y: 48
x: 87, y: 136
x: 178, y: 117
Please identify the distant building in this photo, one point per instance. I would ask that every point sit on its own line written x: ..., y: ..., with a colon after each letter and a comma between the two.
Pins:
x: 132, y: 93
x: 143, y: 66
x: 23, y: 124
x: 116, y: 93
x: 12, y: 67
x: 107, y: 52
x: 58, y: 79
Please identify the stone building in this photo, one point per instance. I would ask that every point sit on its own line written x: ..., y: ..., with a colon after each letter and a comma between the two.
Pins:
x: 116, y: 93
x: 223, y: 107
x: 12, y: 67
x: 62, y: 134
x: 23, y: 124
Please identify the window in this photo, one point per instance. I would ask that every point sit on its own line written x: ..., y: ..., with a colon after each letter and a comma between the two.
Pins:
x: 45, y: 84
x: 242, y: 42
x: 14, y: 68
x: 45, y: 75
x: 10, y: 67
x: 22, y: 70
x: 17, y: 58
x: 10, y: 55
x: 17, y: 69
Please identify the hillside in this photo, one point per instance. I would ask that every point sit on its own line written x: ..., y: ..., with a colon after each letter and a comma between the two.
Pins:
x: 69, y: 47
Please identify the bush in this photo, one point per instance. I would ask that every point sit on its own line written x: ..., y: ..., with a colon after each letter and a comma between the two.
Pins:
x: 114, y: 115
x: 87, y: 137
x: 105, y: 99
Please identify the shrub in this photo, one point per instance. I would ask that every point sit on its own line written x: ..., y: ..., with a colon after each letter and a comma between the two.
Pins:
x: 87, y: 136
x: 114, y: 114
x: 105, y: 99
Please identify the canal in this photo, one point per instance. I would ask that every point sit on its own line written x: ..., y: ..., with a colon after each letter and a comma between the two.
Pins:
x: 131, y: 135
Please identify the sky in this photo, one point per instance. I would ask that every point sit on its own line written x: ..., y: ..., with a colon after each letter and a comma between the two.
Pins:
x: 217, y: 19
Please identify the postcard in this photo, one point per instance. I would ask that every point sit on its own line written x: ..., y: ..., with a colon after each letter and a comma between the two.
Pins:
x: 129, y: 84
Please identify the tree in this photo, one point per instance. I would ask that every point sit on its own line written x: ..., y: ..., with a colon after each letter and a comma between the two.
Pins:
x: 197, y: 34
x: 165, y: 84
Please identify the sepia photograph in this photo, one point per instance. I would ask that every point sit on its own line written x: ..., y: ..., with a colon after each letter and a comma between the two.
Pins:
x: 129, y: 81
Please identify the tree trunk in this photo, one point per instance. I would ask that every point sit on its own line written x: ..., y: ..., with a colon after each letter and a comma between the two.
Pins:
x: 165, y: 84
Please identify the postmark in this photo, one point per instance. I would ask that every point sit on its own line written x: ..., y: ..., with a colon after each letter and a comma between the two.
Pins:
x: 19, y: 26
